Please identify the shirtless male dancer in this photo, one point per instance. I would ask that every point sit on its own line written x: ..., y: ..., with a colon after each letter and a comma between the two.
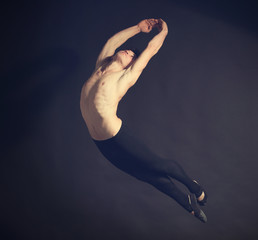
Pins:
x: 114, y: 74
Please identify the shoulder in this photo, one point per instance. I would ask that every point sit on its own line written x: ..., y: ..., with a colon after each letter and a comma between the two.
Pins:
x: 103, y: 63
x: 128, y: 78
x: 132, y: 74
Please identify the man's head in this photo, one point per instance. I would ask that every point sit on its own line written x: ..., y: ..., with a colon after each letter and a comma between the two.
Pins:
x: 136, y: 52
x: 127, y: 57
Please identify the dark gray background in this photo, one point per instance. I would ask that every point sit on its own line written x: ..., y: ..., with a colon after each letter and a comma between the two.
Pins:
x: 196, y: 102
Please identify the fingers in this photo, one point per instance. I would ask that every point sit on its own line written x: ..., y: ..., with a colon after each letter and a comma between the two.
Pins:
x: 158, y: 23
x: 152, y: 21
x: 149, y: 24
x: 162, y: 25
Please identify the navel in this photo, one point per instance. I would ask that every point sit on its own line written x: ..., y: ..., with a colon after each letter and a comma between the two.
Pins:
x: 103, y: 83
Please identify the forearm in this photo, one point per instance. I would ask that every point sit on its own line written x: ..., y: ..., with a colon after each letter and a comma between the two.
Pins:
x: 153, y: 47
x: 121, y: 37
x: 155, y: 44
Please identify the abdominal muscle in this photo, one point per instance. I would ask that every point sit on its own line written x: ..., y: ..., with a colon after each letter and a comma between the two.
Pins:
x: 103, y: 129
x: 99, y: 106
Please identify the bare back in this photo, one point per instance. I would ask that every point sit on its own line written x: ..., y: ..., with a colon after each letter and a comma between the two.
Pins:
x: 99, y: 101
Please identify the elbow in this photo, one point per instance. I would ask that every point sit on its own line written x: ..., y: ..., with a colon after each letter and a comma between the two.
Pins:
x: 153, y: 48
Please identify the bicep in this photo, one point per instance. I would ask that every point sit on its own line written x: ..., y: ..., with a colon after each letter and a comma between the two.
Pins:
x: 133, y: 73
x: 128, y: 79
x: 107, y: 51
x: 142, y: 61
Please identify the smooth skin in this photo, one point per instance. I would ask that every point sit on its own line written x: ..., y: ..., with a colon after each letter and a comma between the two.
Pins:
x: 114, y: 74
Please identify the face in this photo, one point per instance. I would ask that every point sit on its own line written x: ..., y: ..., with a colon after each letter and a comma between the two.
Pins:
x: 126, y: 57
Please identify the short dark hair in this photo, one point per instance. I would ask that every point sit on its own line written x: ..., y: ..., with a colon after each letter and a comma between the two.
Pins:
x: 136, y: 51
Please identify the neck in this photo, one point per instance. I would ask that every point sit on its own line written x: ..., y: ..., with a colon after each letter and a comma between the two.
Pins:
x: 112, y: 66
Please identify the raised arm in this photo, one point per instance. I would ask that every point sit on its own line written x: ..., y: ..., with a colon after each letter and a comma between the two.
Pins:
x: 115, y: 42
x: 121, y: 37
x: 153, y: 47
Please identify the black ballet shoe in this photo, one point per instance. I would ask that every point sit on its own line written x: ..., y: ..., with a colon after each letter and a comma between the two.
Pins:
x: 198, y: 194
x: 197, y: 211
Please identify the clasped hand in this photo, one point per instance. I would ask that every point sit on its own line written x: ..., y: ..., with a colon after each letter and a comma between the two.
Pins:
x: 147, y: 25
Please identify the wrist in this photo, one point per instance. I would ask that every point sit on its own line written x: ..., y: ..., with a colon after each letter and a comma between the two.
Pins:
x: 138, y: 29
x: 164, y: 31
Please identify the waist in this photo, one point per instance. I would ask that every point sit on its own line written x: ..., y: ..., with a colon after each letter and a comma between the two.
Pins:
x: 105, y: 128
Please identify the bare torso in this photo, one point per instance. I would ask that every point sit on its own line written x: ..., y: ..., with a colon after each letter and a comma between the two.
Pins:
x: 99, y: 101
x: 114, y: 75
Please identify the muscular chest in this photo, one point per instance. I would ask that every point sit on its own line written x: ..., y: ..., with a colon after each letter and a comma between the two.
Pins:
x: 102, y: 89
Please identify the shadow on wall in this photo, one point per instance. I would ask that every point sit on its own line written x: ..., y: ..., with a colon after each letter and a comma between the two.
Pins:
x: 30, y: 88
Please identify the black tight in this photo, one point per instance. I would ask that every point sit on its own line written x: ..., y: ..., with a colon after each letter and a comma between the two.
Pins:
x: 133, y: 157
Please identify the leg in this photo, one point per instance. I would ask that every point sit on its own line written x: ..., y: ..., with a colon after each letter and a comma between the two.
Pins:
x: 143, y: 156
x: 133, y: 157
x: 188, y: 202
x: 165, y: 185
x: 174, y: 169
